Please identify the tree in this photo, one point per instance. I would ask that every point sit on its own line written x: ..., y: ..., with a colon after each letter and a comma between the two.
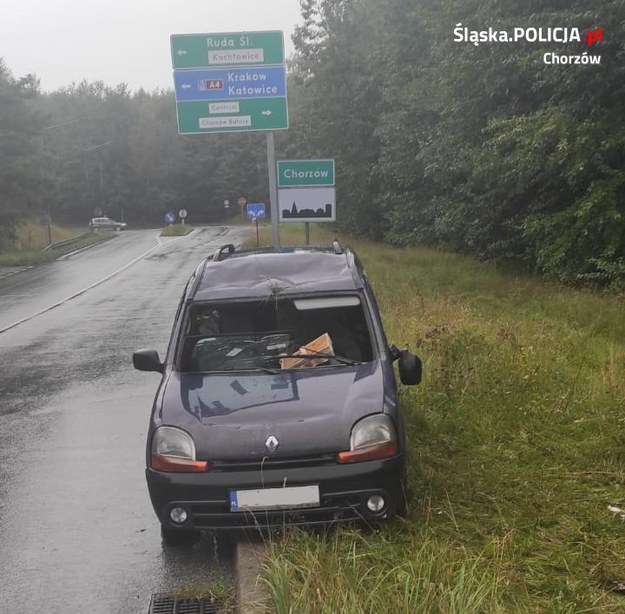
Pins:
x: 337, y: 93
x: 20, y: 184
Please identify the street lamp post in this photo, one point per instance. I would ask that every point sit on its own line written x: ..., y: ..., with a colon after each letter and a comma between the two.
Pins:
x: 43, y: 150
x: 100, y: 168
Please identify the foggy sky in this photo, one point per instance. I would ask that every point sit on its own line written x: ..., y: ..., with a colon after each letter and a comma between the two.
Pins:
x: 122, y: 41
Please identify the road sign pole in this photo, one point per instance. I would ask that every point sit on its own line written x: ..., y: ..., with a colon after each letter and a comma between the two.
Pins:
x: 273, y: 191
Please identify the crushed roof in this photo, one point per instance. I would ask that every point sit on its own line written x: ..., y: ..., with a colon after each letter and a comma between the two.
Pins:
x: 264, y: 274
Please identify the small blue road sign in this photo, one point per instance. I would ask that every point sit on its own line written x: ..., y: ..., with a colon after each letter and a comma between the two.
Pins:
x: 256, y: 211
x: 170, y: 217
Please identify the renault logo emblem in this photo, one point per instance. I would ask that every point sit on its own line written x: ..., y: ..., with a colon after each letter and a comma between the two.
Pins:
x: 272, y: 444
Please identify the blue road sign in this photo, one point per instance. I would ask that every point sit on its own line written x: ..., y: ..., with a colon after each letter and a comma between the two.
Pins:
x: 256, y: 211
x: 170, y: 217
x: 233, y: 84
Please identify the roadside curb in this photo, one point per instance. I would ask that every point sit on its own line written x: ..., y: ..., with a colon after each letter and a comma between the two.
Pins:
x: 8, y: 271
x: 252, y: 595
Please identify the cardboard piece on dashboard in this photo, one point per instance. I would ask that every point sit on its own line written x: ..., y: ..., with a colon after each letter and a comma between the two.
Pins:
x: 321, y: 345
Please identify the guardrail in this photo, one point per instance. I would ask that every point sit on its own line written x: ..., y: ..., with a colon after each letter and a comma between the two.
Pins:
x: 67, y: 242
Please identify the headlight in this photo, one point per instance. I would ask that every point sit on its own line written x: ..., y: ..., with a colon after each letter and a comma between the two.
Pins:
x: 372, y: 438
x: 173, y: 450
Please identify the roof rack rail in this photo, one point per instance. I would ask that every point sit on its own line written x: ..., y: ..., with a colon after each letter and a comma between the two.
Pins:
x: 223, y: 252
x: 336, y: 246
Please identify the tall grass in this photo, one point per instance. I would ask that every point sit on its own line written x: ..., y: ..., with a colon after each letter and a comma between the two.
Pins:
x: 516, y: 449
x: 353, y: 573
x: 32, y: 238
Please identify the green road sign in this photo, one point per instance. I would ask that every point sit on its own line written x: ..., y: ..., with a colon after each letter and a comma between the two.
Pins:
x: 199, y: 117
x: 227, y: 49
x: 305, y: 173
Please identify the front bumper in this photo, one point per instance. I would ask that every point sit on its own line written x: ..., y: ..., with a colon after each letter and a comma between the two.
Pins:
x: 344, y: 490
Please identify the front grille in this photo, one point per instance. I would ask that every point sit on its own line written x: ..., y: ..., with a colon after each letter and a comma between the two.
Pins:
x: 274, y: 462
x: 333, y: 509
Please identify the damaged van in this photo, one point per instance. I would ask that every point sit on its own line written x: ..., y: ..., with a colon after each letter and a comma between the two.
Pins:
x: 278, y: 402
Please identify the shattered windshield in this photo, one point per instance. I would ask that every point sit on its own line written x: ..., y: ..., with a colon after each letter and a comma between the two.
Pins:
x: 275, y: 335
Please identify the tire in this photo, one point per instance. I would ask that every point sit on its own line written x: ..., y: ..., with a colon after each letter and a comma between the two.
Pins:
x: 178, y: 538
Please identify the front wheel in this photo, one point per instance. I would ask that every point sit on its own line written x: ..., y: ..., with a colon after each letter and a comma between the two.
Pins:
x: 179, y: 538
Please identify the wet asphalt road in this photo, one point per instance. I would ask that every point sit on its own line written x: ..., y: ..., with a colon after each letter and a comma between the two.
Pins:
x: 77, y: 531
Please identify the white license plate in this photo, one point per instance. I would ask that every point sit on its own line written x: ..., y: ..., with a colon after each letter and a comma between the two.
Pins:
x: 274, y: 498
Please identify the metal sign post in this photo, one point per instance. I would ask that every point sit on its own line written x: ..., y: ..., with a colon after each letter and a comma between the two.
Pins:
x: 256, y: 211
x: 273, y: 191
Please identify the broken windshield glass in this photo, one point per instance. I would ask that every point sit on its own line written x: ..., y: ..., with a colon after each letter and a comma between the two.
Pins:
x: 276, y: 334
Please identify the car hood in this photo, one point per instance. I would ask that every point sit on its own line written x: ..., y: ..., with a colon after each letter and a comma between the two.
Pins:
x: 312, y: 411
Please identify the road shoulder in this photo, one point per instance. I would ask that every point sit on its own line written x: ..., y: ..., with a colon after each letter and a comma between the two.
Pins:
x: 251, y: 591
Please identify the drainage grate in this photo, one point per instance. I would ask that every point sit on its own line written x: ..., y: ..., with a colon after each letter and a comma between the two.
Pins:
x: 162, y: 603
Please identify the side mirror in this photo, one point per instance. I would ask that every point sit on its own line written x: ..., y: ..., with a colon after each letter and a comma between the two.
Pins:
x: 410, y: 368
x: 147, y: 360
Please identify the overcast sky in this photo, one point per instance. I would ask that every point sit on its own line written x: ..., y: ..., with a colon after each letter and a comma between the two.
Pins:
x: 122, y: 41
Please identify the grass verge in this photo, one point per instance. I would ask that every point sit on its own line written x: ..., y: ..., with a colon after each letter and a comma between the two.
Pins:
x: 176, y: 230
x: 32, y: 238
x: 516, y: 451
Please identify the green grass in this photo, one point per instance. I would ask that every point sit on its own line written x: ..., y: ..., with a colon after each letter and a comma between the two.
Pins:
x: 32, y: 238
x: 176, y: 230
x: 31, y: 235
x: 351, y: 572
x: 26, y: 257
x: 294, y: 233
x: 516, y: 449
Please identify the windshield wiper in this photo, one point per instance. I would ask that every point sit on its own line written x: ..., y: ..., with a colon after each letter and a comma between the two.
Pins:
x: 268, y: 370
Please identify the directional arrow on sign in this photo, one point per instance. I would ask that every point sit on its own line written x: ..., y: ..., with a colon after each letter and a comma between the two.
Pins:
x: 234, y: 83
x: 256, y: 211
x: 227, y: 49
x: 196, y: 117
